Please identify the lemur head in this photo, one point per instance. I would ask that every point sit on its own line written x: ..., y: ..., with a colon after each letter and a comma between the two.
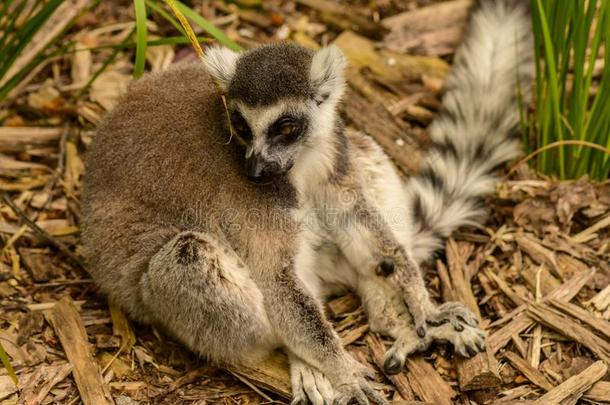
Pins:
x: 282, y: 100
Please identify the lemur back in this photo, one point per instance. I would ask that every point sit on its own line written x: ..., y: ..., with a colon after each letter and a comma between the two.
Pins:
x: 162, y: 163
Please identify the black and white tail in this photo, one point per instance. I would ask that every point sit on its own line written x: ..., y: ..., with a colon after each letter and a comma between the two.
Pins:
x: 477, y: 129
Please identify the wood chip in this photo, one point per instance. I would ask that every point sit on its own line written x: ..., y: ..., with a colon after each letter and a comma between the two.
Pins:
x: 528, y: 371
x: 433, y: 30
x: 37, y: 387
x: 521, y: 321
x: 427, y: 383
x: 344, y: 17
x: 72, y: 334
x: 570, y: 328
x: 600, y: 391
x: 17, y: 138
x: 576, y: 385
x: 271, y: 375
x: 600, y: 325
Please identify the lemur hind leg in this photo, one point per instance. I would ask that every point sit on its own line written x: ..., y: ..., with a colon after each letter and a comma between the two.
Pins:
x: 388, y: 315
x: 198, y: 288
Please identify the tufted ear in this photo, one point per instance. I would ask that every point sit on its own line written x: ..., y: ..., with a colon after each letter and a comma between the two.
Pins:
x: 327, y: 75
x: 220, y: 62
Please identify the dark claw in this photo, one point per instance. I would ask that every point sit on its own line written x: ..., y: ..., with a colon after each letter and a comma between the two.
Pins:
x: 458, y: 327
x: 481, y: 346
x: 436, y: 322
x: 392, y: 365
x: 471, y: 351
x: 421, y: 332
x: 386, y: 267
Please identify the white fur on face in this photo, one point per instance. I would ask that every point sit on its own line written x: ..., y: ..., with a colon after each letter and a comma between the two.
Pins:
x: 314, y: 156
x: 221, y: 62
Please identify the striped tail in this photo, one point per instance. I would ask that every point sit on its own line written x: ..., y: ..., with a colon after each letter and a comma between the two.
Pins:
x: 477, y: 129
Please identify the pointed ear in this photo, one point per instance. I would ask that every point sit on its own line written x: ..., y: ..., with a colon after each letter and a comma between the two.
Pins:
x: 326, y: 73
x: 220, y: 62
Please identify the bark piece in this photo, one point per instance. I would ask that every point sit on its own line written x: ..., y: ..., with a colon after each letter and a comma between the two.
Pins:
x: 576, y: 385
x: 600, y: 391
x: 56, y: 23
x: 271, y: 375
x: 540, y: 254
x: 600, y: 325
x: 37, y: 387
x: 345, y: 18
x: 390, y: 66
x: 570, y: 328
x: 427, y: 383
x: 521, y: 320
x: 528, y: 371
x: 343, y: 305
x: 69, y: 328
x: 17, y: 139
x: 432, y: 30
x: 532, y: 274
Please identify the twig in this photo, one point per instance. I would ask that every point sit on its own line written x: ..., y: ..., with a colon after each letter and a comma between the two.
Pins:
x: 42, y: 233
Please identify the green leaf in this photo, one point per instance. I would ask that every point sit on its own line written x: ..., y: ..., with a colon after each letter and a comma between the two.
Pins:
x: 207, y: 27
x: 7, y: 365
x: 141, y: 36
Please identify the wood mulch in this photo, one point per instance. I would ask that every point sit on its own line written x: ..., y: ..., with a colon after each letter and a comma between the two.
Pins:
x: 537, y: 272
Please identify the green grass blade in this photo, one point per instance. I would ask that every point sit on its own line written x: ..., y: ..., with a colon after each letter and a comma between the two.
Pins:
x: 25, y: 33
x: 207, y: 26
x: 552, y: 85
x: 141, y: 36
x: 167, y: 16
x: 7, y: 365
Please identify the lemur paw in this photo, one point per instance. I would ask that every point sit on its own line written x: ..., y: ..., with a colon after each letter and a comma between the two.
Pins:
x: 358, y: 393
x: 310, y: 386
x: 468, y: 342
x: 454, y: 313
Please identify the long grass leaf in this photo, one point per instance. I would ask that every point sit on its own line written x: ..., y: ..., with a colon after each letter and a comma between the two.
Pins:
x: 207, y: 27
x: 7, y: 364
x: 141, y: 36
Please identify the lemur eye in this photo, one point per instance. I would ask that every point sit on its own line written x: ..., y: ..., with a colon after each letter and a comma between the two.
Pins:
x: 287, y: 128
x: 239, y: 124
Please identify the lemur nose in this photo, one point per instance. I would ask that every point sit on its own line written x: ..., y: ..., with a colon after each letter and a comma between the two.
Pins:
x: 255, y: 169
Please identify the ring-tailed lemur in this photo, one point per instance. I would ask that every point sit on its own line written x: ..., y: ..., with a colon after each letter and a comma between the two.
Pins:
x: 177, y: 232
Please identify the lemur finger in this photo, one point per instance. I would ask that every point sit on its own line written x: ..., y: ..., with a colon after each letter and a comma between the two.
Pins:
x: 311, y: 388
x: 324, y: 388
x: 419, y: 317
x: 457, y: 325
x: 351, y: 394
x: 298, y: 396
x: 406, y: 344
x: 373, y: 394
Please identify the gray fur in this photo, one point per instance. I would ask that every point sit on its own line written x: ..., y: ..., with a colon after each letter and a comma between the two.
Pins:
x: 477, y: 129
x: 270, y: 73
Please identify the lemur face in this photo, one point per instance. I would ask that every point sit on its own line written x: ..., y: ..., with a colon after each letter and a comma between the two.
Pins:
x: 282, y: 101
x: 274, y: 134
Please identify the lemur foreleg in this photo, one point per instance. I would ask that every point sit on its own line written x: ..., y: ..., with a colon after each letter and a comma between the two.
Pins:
x: 370, y: 246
